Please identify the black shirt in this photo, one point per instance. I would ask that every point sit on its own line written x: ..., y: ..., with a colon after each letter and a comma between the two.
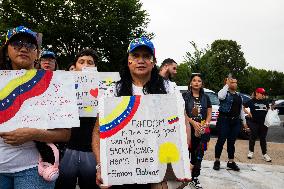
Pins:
x: 81, y: 137
x: 196, y: 111
x: 258, y: 109
x: 236, y: 106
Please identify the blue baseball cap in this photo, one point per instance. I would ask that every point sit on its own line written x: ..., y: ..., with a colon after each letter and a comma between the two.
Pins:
x: 142, y: 41
x: 46, y: 54
x: 21, y: 30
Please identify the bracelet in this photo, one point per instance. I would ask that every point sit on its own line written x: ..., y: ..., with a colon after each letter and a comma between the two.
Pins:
x: 98, y: 166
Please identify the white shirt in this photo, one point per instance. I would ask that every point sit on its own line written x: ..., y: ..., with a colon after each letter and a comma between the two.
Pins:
x: 17, y: 158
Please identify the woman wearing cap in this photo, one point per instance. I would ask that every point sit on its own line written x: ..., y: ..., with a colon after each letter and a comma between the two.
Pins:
x: 139, y: 77
x: 258, y: 109
x: 48, y: 61
x: 19, y: 155
x: 198, y: 109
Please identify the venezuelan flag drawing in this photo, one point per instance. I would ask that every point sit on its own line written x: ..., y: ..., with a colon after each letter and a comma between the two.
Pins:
x: 119, y: 117
x: 18, y: 90
x: 173, y: 119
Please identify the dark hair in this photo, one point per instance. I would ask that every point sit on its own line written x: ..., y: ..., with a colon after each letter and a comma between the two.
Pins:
x: 190, y: 80
x: 87, y: 52
x: 154, y: 86
x: 168, y: 61
x: 5, y: 62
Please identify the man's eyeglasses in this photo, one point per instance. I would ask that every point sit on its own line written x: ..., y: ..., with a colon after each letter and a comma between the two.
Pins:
x: 20, y: 44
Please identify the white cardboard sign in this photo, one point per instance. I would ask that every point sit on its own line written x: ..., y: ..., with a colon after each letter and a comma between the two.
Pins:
x: 90, y: 85
x: 142, y: 137
x: 37, y: 99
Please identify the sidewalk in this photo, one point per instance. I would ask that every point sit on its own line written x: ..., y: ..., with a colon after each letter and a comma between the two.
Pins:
x: 254, y: 174
x: 251, y: 176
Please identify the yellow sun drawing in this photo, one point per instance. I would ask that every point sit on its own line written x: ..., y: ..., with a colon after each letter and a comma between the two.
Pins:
x: 168, y: 153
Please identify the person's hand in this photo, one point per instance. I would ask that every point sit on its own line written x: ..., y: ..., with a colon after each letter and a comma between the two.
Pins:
x: 249, y: 115
x: 228, y: 81
x: 19, y: 136
x: 246, y: 128
x: 197, y: 126
x: 207, y: 124
x: 99, y: 180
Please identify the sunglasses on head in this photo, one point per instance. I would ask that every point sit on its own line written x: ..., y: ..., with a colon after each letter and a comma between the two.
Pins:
x: 20, y: 44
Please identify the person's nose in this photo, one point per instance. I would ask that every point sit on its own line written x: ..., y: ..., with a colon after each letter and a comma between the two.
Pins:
x: 24, y: 49
x: 140, y: 60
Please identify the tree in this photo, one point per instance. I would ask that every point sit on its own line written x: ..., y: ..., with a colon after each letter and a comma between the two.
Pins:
x: 192, y: 59
x: 224, y: 57
x: 272, y: 81
x: 69, y: 26
x: 183, y: 74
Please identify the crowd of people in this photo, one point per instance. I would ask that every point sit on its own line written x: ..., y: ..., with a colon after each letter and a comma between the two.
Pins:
x: 80, y: 147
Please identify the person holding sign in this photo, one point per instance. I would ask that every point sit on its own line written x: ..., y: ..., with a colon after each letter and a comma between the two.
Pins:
x: 139, y: 76
x: 78, y: 162
x: 230, y: 114
x: 198, y: 109
x: 258, y: 109
x: 19, y: 155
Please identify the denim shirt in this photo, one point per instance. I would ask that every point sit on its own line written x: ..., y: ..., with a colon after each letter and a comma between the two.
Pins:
x: 188, y: 98
x: 226, y: 104
x: 226, y: 101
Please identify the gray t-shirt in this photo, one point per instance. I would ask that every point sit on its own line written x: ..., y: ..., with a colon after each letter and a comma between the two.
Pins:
x: 17, y: 158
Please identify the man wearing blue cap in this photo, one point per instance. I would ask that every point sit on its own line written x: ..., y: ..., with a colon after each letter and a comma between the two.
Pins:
x: 48, y: 61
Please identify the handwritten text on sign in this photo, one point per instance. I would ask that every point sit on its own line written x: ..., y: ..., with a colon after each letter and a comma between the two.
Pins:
x: 141, y: 136
x: 37, y: 99
x: 90, y: 85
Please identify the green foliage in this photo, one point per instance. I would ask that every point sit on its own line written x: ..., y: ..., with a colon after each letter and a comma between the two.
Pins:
x: 224, y: 57
x: 69, y: 26
x: 193, y: 59
x: 272, y: 81
x: 183, y: 74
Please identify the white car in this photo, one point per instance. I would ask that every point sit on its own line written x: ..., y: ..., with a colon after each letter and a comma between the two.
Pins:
x: 279, y: 105
x: 214, y: 101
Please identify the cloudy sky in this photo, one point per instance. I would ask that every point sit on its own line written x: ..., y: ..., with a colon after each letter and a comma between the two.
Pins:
x: 257, y: 25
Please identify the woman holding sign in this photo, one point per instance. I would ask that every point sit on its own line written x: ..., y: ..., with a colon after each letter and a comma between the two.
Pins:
x: 139, y: 77
x: 198, y: 109
x: 78, y: 162
x: 19, y: 155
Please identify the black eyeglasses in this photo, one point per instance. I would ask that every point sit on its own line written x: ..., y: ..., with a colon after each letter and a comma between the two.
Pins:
x: 20, y: 44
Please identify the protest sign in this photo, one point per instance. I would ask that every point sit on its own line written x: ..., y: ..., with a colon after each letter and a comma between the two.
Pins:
x: 90, y: 85
x: 142, y: 137
x: 37, y: 99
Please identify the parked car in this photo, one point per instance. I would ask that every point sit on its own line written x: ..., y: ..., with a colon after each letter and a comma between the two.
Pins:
x: 214, y: 101
x: 279, y: 105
